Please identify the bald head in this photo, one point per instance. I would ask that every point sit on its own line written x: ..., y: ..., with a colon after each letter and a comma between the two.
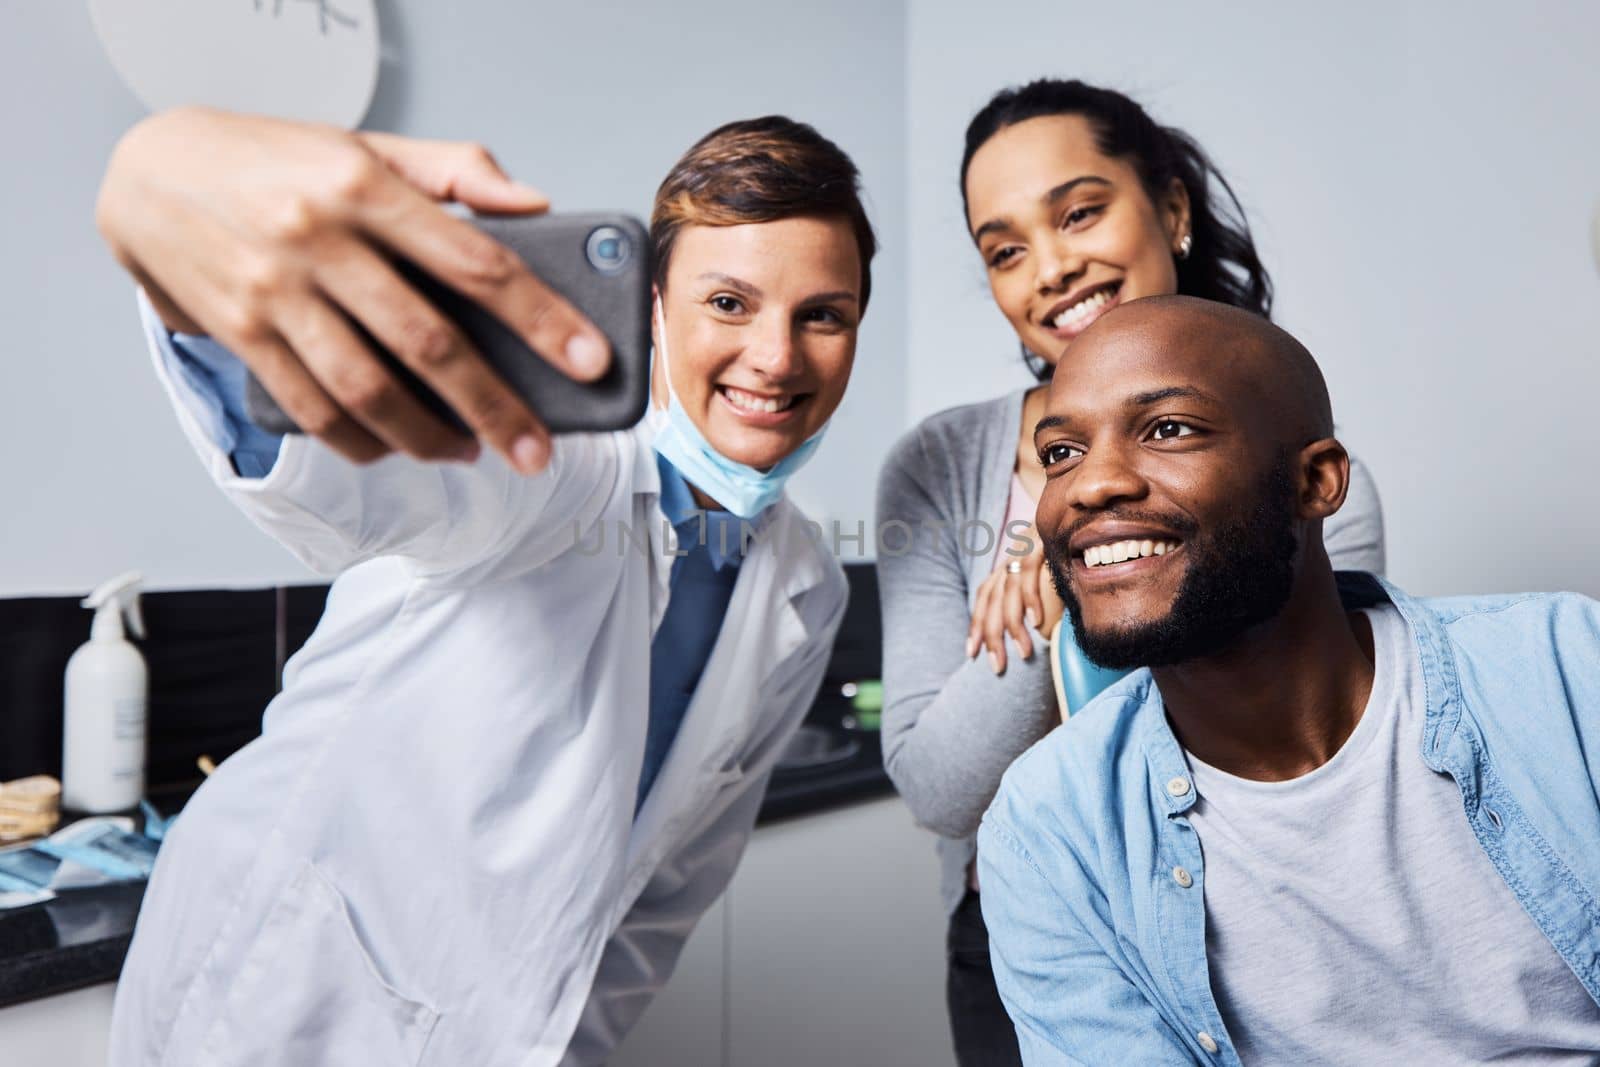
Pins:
x: 1242, y: 359
x: 1189, y: 465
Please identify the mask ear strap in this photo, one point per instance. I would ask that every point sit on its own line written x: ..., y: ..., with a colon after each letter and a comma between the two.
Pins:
x: 661, y: 331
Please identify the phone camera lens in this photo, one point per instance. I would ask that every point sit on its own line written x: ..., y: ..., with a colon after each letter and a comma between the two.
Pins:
x: 609, y: 250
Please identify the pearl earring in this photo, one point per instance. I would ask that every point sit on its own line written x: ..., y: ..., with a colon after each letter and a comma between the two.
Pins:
x: 1185, y: 245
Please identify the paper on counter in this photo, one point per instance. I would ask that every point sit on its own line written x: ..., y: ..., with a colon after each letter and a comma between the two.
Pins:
x: 87, y: 853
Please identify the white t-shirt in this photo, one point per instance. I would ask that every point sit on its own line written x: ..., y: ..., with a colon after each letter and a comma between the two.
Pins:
x: 1352, y: 916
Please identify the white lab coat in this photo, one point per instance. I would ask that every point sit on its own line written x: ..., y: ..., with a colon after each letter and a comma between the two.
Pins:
x: 430, y: 855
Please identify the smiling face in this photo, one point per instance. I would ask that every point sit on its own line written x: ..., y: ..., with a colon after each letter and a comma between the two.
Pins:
x: 1067, y: 232
x: 1176, y: 460
x: 761, y: 323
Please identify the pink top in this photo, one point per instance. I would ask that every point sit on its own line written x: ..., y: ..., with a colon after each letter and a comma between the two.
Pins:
x: 1020, y: 507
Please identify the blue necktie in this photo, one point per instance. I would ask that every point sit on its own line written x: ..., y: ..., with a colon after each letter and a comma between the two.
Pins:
x: 695, y: 608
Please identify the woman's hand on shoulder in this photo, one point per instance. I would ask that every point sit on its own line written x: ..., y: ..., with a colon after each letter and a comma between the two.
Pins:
x: 1010, y: 600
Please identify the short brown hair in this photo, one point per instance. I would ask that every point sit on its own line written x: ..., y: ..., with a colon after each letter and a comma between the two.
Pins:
x: 760, y: 170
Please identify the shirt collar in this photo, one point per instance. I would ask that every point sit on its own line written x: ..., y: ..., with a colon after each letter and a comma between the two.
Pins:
x: 1171, y: 781
x: 721, y: 531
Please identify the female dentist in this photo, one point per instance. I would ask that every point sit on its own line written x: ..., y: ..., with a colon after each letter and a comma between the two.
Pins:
x: 508, y: 772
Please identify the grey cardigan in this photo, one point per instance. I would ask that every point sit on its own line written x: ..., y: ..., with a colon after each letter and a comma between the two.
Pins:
x: 951, y: 726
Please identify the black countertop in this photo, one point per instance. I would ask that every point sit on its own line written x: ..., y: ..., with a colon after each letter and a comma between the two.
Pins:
x: 829, y: 763
x: 75, y: 940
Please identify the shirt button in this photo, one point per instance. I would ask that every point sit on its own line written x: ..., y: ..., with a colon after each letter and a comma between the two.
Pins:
x: 1179, y: 786
x: 1207, y: 1042
x: 1183, y: 878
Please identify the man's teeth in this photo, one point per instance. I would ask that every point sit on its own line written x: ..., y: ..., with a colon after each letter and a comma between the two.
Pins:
x: 1092, y: 302
x: 750, y: 402
x: 1120, y: 551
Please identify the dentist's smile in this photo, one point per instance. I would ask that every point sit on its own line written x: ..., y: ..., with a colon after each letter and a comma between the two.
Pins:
x: 762, y: 409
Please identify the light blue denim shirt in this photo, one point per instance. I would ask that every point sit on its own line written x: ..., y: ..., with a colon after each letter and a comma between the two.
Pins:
x: 1092, y: 874
x: 213, y: 379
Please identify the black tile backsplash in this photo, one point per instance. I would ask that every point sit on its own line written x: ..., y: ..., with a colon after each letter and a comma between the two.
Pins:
x: 213, y: 668
x: 215, y: 659
x: 858, y: 650
x: 37, y: 637
x: 299, y: 611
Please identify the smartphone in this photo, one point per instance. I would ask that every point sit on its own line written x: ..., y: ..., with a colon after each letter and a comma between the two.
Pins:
x: 601, y: 264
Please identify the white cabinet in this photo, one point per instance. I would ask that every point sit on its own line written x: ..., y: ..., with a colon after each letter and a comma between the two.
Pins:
x: 685, y: 1024
x: 837, y: 944
x: 66, y: 1030
x: 834, y: 942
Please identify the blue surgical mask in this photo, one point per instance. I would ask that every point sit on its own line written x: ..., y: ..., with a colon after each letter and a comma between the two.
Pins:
x: 743, y: 490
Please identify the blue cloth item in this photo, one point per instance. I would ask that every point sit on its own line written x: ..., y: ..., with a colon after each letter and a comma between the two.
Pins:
x: 1093, y: 875
x: 1081, y: 680
x: 217, y: 378
x: 156, y: 824
x: 702, y: 584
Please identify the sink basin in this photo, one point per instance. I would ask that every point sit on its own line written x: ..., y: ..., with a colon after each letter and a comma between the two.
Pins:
x: 817, y: 746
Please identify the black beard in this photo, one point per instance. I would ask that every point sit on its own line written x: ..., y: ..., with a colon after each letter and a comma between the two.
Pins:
x: 1237, y: 577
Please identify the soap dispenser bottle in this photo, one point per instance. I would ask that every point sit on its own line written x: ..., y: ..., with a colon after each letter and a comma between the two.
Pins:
x: 103, y: 750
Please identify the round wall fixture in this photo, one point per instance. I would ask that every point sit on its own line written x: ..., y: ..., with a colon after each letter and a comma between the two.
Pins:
x: 315, y: 60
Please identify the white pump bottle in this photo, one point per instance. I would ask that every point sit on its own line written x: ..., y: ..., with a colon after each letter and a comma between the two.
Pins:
x: 103, y: 750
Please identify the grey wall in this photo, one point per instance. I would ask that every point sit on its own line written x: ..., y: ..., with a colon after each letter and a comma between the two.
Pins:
x: 591, y: 102
x: 1421, y: 177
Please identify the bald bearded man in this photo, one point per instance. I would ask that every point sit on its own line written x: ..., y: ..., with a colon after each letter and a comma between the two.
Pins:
x: 1331, y: 823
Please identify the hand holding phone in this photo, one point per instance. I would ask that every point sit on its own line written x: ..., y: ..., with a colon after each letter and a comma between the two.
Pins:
x: 279, y: 238
x: 598, y: 262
